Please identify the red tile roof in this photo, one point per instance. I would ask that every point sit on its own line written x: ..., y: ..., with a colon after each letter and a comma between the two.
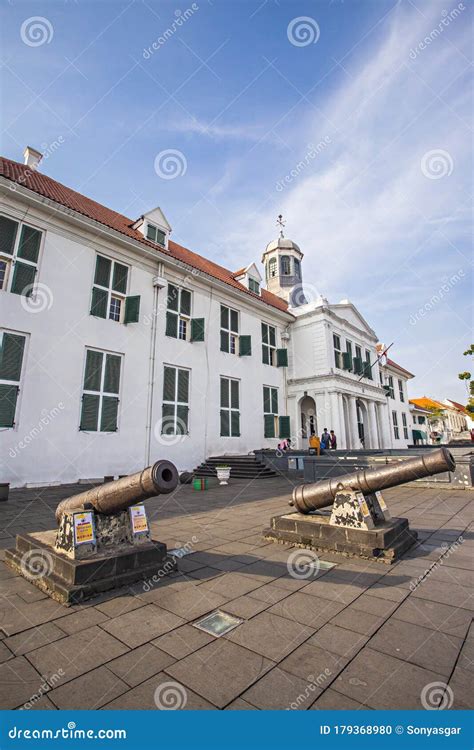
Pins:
x: 55, y: 191
x: 399, y: 367
x: 458, y: 406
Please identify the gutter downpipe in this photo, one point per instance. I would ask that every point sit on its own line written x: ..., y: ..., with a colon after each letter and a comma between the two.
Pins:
x: 151, y: 374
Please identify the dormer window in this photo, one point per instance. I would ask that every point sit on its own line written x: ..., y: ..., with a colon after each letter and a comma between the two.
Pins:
x: 155, y: 235
x: 254, y: 286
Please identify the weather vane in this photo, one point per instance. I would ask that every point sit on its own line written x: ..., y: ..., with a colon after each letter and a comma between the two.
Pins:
x: 281, y: 224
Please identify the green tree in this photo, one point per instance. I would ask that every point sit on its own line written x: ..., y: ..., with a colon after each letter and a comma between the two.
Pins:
x: 466, y: 376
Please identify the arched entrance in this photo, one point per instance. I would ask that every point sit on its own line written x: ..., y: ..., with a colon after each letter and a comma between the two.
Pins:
x: 362, y: 424
x: 308, y: 424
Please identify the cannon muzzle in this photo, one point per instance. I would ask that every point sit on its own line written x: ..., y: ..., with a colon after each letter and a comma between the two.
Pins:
x: 308, y: 497
x: 159, y: 479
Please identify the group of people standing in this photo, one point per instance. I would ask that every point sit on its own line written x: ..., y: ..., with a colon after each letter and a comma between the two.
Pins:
x: 328, y: 440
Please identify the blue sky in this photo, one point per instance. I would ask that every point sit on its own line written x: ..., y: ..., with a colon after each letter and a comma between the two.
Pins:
x: 337, y: 114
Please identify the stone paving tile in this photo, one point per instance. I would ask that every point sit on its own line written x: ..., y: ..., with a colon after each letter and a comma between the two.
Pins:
x: 314, y: 664
x: 91, y: 690
x: 374, y: 605
x: 445, y: 593
x: 19, y: 682
x: 205, y: 574
x: 5, y: 652
x: 390, y: 592
x: 341, y: 591
x: 435, y: 616
x: 245, y: 607
x: 307, y: 610
x: 418, y: 645
x: 355, y: 619
x: 31, y: 639
x: 141, y: 625
x: 138, y: 665
x: 119, y: 605
x: 220, y: 671
x: 338, y: 640
x: 76, y: 654
x: 183, y: 641
x: 168, y: 694
x: 17, y: 615
x: 279, y: 689
x: 191, y: 603
x: 461, y: 686
x: 382, y: 682
x: 269, y: 635
x: 240, y: 705
x: 269, y: 593
x: 232, y: 585
x: 331, y: 700
x: 42, y: 704
x: 80, y: 620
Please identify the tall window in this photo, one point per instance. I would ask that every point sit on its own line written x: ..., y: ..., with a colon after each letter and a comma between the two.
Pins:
x: 337, y: 351
x: 12, y: 347
x: 368, y: 366
x: 297, y: 267
x: 175, y: 409
x: 396, y: 431
x: 230, y: 408
x: 405, y: 426
x: 178, y: 313
x: 268, y: 344
x: 347, y: 357
x: 19, y: 252
x: 229, y: 330
x: 270, y: 411
x: 100, y: 396
x: 391, y: 391
x: 358, y: 364
x: 285, y: 265
x: 400, y: 390
x: 272, y: 268
x: 155, y: 235
x: 109, y: 293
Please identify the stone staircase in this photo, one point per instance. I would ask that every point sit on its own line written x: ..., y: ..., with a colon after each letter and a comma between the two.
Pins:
x: 241, y: 467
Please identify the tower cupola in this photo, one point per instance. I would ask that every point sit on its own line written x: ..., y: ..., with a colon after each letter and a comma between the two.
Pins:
x: 282, y: 261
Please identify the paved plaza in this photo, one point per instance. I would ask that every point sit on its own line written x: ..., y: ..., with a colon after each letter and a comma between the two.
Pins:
x: 362, y: 635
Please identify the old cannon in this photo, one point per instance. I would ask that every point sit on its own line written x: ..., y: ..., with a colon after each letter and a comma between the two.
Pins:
x: 359, y: 522
x: 309, y: 497
x: 159, y: 479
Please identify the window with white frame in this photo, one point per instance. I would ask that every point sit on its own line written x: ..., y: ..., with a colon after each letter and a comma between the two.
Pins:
x: 154, y: 234
x: 100, y: 393
x: 175, y: 407
x: 109, y: 292
x: 178, y: 313
x: 285, y: 265
x: 391, y: 391
x: 230, y: 407
x: 400, y: 390
x: 254, y: 286
x: 270, y: 411
x: 396, y: 431
x: 268, y: 344
x: 19, y: 253
x: 337, y: 351
x: 229, y: 330
x: 405, y: 426
x: 272, y: 268
x: 12, y: 348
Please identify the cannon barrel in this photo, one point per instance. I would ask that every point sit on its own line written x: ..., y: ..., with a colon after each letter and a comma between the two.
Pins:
x: 308, y: 497
x: 159, y: 479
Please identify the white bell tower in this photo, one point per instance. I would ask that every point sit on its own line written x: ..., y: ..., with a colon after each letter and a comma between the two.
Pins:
x: 282, y: 260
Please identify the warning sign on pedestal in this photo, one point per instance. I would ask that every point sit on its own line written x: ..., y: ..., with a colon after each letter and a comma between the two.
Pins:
x: 84, y: 528
x: 139, y: 519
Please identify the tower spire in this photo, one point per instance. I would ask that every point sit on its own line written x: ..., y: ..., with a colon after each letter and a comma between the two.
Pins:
x: 281, y: 223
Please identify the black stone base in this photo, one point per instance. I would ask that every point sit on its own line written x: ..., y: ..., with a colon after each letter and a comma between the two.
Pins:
x: 385, y: 543
x: 71, y: 581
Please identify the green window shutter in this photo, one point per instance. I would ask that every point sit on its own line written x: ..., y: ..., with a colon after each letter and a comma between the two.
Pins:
x: 99, y: 302
x: 93, y: 373
x: 171, y: 324
x: 367, y: 370
x: 183, y: 386
x: 169, y: 384
x: 23, y: 278
x: 357, y: 363
x: 225, y: 403
x: 284, y: 427
x: 234, y: 394
x: 112, y: 373
x: 102, y: 271
x: 235, y: 424
x: 272, y: 336
x: 197, y: 329
x: 282, y: 357
x: 108, y: 418
x: 29, y: 245
x: 274, y: 394
x: 224, y: 317
x: 11, y: 356
x: 347, y: 361
x: 224, y: 341
x: 265, y: 354
x: 173, y: 297
x: 225, y: 424
x: 132, y: 309
x: 185, y: 302
x: 269, y: 425
x: 234, y: 321
x: 167, y: 419
x: 265, y: 334
x: 266, y: 400
x: 8, y: 230
x: 89, y: 412
x: 245, y: 346
x: 8, y: 399
x: 119, y: 279
x: 182, y: 413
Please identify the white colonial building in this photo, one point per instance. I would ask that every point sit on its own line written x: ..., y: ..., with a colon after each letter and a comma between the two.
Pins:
x: 119, y: 346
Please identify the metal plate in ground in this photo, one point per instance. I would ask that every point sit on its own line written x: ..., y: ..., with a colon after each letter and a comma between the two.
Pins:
x: 217, y: 623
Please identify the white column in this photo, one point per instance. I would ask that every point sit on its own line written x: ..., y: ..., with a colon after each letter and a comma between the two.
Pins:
x: 336, y: 420
x: 341, y: 438
x: 385, y: 426
x: 355, y: 442
x: 323, y: 411
x: 372, y: 425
